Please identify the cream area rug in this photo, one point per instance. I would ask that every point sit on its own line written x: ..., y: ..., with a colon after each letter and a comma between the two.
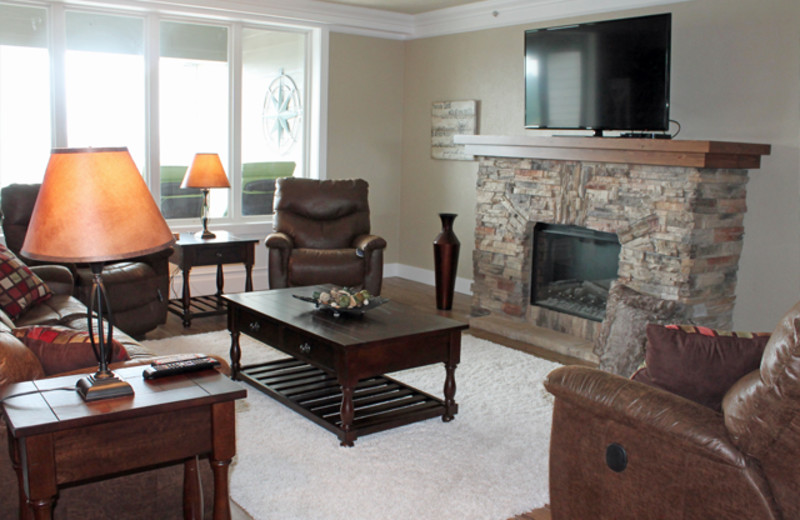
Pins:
x: 490, y: 463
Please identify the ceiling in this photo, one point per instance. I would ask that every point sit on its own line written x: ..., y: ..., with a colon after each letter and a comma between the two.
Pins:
x: 404, y: 6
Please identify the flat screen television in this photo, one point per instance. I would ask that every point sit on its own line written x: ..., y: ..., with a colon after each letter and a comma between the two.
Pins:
x: 602, y: 76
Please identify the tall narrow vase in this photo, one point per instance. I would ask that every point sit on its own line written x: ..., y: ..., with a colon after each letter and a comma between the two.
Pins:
x: 445, y: 256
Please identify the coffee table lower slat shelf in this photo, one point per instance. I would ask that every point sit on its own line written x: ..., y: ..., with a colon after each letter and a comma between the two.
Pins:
x: 380, y: 402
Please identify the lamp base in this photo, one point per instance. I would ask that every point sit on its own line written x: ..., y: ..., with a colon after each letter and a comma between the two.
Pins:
x: 93, y: 388
x: 205, y: 234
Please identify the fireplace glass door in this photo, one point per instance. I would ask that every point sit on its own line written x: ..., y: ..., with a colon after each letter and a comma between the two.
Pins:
x: 573, y: 268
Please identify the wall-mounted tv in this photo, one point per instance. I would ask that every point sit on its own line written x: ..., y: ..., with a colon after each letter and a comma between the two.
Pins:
x: 609, y: 75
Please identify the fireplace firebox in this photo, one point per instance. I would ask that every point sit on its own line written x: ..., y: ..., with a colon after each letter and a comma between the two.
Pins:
x: 573, y: 268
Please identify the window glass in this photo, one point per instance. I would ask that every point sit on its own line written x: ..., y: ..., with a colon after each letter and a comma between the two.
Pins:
x: 273, y: 122
x: 193, y: 114
x: 25, y: 138
x: 105, y: 82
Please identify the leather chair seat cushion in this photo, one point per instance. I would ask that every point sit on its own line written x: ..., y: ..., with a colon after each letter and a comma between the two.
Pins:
x: 128, y: 284
x: 337, y: 266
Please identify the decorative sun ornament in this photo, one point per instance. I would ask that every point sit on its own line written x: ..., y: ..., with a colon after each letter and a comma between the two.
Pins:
x: 282, y: 114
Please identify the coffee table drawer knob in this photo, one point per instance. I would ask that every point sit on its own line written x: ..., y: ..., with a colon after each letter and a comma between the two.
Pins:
x: 255, y: 326
x: 305, y: 348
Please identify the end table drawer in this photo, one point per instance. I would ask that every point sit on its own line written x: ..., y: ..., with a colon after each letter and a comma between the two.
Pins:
x: 220, y: 255
x: 301, y: 347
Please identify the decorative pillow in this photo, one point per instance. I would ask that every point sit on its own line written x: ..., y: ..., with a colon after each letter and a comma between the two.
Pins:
x: 61, y: 349
x: 17, y: 362
x: 20, y: 288
x: 699, y: 363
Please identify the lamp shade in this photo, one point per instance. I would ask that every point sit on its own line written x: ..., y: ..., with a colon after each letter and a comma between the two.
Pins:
x: 206, y: 171
x: 94, y: 206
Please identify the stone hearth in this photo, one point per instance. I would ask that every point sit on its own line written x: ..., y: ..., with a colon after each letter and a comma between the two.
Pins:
x: 680, y: 225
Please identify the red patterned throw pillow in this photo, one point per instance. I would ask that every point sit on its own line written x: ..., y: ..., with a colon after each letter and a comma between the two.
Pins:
x: 61, y: 349
x: 20, y: 288
x: 699, y: 363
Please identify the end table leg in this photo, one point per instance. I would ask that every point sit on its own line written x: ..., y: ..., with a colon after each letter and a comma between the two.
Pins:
x: 450, y: 406
x: 222, y: 506
x: 192, y: 491
x: 186, y: 300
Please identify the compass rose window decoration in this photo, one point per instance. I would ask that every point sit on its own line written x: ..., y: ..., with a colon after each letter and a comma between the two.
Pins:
x: 283, y: 113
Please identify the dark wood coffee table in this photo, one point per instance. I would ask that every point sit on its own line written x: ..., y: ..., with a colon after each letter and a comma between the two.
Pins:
x: 55, y: 438
x: 335, y: 376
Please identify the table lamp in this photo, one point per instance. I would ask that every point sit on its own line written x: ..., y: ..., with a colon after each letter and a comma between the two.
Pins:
x: 94, y: 207
x: 205, y: 172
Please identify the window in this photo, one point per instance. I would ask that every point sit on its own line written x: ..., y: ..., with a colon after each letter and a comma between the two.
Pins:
x: 193, y: 100
x: 105, y: 80
x: 272, y: 113
x: 24, y: 94
x: 167, y: 87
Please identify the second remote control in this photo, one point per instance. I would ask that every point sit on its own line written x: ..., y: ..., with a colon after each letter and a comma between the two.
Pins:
x: 179, y: 367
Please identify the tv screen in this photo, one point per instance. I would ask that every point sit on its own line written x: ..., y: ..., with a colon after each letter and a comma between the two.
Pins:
x: 611, y: 75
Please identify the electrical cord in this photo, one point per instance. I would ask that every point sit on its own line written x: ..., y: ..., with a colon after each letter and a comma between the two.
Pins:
x: 679, y: 128
x: 38, y: 392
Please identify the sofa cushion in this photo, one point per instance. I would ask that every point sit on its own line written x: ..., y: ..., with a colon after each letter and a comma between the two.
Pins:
x: 20, y: 288
x: 699, y: 363
x: 61, y: 349
x: 17, y: 362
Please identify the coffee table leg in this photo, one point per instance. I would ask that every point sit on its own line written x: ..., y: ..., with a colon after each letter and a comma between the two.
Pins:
x: 450, y: 406
x: 347, y: 413
x: 236, y: 355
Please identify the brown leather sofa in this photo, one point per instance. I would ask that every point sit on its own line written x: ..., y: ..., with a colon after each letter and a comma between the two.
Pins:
x: 621, y: 449
x: 137, y: 289
x: 322, y: 235
x: 153, y: 494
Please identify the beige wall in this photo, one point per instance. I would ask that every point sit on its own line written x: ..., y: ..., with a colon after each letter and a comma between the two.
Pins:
x: 735, y: 76
x: 365, y: 113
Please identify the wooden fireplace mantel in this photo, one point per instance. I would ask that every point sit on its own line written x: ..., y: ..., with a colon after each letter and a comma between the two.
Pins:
x: 659, y: 152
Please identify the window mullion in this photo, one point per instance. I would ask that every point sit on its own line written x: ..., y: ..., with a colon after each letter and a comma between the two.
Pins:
x: 58, y: 89
x: 234, y: 145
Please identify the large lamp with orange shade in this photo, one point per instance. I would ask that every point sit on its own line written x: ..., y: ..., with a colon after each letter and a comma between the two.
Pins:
x: 94, y: 207
x: 205, y: 172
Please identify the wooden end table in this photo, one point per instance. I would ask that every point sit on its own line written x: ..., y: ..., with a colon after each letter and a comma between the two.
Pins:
x: 55, y: 438
x: 191, y: 251
x: 336, y: 374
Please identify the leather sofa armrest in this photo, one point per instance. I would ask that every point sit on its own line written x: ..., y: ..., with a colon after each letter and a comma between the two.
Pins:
x: 279, y: 240
x: 57, y: 277
x: 369, y: 242
x: 695, y: 427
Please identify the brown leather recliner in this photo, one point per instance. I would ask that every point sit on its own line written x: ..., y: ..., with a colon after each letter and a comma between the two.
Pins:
x: 137, y: 289
x: 322, y: 235
x: 624, y: 450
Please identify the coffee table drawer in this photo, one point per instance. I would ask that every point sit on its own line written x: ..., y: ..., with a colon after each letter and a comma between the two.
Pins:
x: 258, y: 327
x: 314, y: 352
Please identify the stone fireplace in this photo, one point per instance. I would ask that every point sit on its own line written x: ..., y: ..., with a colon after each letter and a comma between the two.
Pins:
x: 677, y: 208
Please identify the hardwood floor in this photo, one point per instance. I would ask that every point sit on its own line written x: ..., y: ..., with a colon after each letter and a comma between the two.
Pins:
x: 415, y: 294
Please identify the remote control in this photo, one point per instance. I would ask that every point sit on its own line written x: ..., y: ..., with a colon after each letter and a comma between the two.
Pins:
x: 170, y: 368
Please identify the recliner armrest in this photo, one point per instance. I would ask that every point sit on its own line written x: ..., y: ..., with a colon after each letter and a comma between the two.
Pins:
x: 695, y: 427
x: 369, y: 242
x: 57, y: 277
x: 279, y: 240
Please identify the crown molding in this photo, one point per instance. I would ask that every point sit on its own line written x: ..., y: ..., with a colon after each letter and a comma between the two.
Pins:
x: 503, y: 13
x: 488, y: 14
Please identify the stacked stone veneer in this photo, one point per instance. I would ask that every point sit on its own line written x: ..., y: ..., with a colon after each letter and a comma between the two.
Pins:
x: 680, y: 230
